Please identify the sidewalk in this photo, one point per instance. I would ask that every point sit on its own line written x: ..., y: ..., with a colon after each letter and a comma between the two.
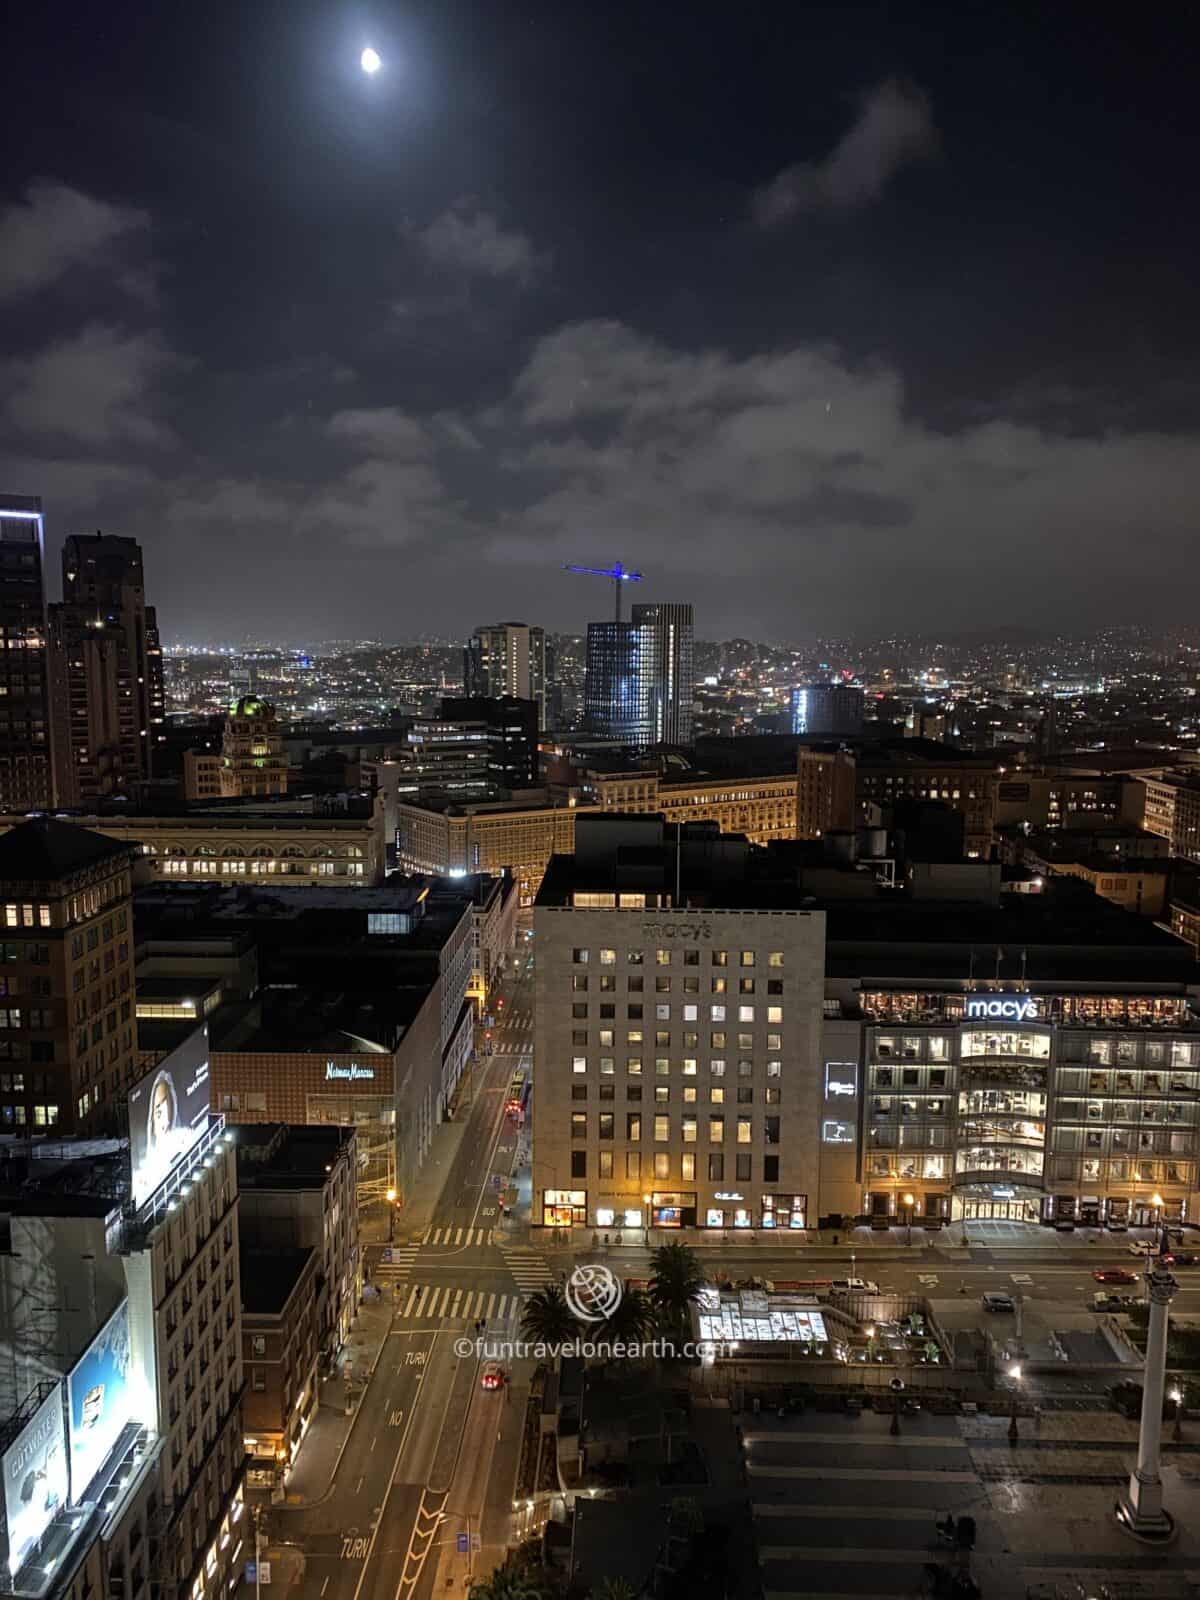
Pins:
x: 955, y: 1240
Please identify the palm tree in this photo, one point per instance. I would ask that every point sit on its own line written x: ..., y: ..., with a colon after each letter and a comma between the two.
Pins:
x: 676, y: 1281
x: 614, y: 1589
x: 506, y: 1584
x: 633, y: 1320
x: 547, y: 1317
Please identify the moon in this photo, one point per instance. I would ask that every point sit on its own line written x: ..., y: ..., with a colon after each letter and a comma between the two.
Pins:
x: 370, y: 61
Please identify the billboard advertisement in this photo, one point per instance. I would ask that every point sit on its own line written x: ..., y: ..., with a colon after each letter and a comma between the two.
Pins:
x: 168, y: 1111
x: 35, y: 1477
x: 99, y: 1399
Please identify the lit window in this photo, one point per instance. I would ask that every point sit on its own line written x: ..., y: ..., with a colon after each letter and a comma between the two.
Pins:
x: 743, y: 1130
x: 578, y: 1063
x: 716, y: 1013
x: 775, y: 958
x: 662, y: 1129
x: 745, y: 1013
x: 716, y: 1130
x: 689, y: 1130
x: 608, y: 958
x: 774, y: 1013
x: 747, y: 958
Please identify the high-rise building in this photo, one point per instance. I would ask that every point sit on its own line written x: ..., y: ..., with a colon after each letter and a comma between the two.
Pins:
x: 828, y: 709
x: 103, y: 580
x: 638, y: 681
x: 96, y: 740
x: 711, y: 1119
x: 253, y: 761
x: 618, y: 700
x: 25, y: 772
x: 508, y: 658
x: 68, y: 1045
x: 669, y: 662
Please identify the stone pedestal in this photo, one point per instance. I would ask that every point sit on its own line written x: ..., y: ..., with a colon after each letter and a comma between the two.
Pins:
x: 1140, y: 1508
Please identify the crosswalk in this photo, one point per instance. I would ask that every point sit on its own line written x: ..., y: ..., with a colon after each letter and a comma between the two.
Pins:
x: 424, y: 1300
x: 527, y: 1267
x: 456, y: 1236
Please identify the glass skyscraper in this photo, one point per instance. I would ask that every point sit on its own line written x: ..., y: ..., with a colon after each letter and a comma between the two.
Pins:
x: 638, y: 684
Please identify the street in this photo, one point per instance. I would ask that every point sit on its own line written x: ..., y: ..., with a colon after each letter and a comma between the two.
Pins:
x: 387, y: 1526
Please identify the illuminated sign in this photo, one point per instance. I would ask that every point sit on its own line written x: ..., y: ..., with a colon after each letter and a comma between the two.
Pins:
x: 351, y: 1074
x: 677, y: 930
x: 35, y: 1478
x: 1004, y: 1194
x: 1002, y: 1008
x: 168, y: 1112
x: 99, y: 1400
x: 841, y: 1079
x: 837, y: 1133
x: 723, y: 1194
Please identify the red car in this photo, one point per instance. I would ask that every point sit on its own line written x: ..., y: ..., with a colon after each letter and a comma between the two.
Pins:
x: 492, y: 1376
x: 1114, y: 1275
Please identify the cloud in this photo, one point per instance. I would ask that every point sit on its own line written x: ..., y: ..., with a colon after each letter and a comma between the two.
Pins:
x: 470, y: 240
x: 97, y: 387
x: 383, y: 430
x: 893, y: 127
x: 57, y: 229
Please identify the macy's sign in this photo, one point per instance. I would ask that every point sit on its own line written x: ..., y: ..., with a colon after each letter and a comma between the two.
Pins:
x: 1012, y: 1008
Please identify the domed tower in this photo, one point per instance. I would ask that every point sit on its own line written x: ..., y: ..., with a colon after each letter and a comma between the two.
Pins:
x: 252, y: 757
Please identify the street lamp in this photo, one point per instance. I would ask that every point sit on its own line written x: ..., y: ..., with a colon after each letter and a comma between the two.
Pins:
x: 646, y: 1221
x: 1014, y: 1373
x: 897, y: 1388
x: 391, y: 1200
x: 909, y: 1202
x: 1177, y: 1398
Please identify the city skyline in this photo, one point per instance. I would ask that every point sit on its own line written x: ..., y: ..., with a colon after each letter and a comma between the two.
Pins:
x: 804, y: 298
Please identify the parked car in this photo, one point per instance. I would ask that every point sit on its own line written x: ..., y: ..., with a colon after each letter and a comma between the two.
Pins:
x: 997, y: 1300
x: 1185, y: 1258
x: 1105, y: 1300
x: 854, y: 1286
x: 1143, y: 1247
x: 1064, y: 1225
x: 1114, y: 1275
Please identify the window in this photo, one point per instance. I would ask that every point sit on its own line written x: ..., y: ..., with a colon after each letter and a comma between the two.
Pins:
x: 579, y: 982
x: 741, y: 1169
x: 716, y: 1168
x: 579, y: 1011
x: 691, y: 1013
x: 579, y: 957
x: 662, y: 1013
x: 662, y: 985
x: 745, y: 1095
x: 774, y: 1069
x: 662, y: 1093
x: 745, y: 985
x: 633, y: 1065
x: 606, y: 1124
x: 689, y: 1066
x: 633, y: 1164
x: 744, y: 1130
x: 606, y: 1037
x: 775, y: 958
x: 608, y: 958
x: 747, y: 958
x: 608, y: 983
x: 662, y: 1164
x: 718, y: 985
x: 634, y: 1036
x: 633, y: 1126
x: 579, y: 1091
x: 579, y: 1163
x: 662, y: 958
x: 770, y: 1169
x: 716, y: 1068
x: 716, y: 1094
x: 689, y: 1130
x: 635, y: 985
x: 716, y: 1013
x: 720, y: 958
x: 716, y: 1130
x: 579, y: 1125
x: 578, y: 1063
x: 774, y: 1013
x: 607, y: 1066
x: 687, y: 1166
x: 606, y: 1163
x: 745, y: 1013
x: 662, y: 1129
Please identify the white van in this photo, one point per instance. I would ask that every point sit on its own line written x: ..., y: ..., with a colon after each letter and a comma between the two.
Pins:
x: 854, y: 1286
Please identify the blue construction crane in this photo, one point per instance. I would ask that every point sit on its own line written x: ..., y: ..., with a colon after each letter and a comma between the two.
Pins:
x: 616, y: 572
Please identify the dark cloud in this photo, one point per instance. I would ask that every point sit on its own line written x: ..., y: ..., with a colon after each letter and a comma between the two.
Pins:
x: 894, y: 127
x: 466, y: 239
x: 56, y: 230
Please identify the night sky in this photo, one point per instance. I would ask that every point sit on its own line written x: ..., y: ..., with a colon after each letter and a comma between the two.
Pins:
x: 873, y: 318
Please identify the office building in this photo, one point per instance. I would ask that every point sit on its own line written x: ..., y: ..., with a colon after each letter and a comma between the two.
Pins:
x: 201, y: 775
x: 297, y: 1188
x: 830, y: 710
x: 96, y: 741
x: 26, y: 780
x: 294, y: 844
x: 252, y: 758
x: 824, y: 790
x: 914, y: 770
x: 67, y: 1040
x: 283, y: 1305
x: 668, y: 660
x: 495, y: 837
x: 638, y: 682
x: 509, y: 658
x: 103, y: 582
x: 618, y: 693
x: 677, y: 1021
x: 474, y: 749
x: 1173, y: 811
x: 137, y: 1379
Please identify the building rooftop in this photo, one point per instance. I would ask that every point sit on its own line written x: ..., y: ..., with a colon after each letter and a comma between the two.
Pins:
x: 45, y: 849
x: 283, y: 1155
x: 269, y: 1278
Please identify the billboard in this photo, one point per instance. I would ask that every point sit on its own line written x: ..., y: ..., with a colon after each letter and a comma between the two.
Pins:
x: 168, y: 1111
x: 35, y: 1477
x: 99, y: 1399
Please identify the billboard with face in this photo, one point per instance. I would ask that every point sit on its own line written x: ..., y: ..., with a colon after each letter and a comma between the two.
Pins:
x: 35, y: 1477
x: 168, y: 1111
x: 99, y: 1400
